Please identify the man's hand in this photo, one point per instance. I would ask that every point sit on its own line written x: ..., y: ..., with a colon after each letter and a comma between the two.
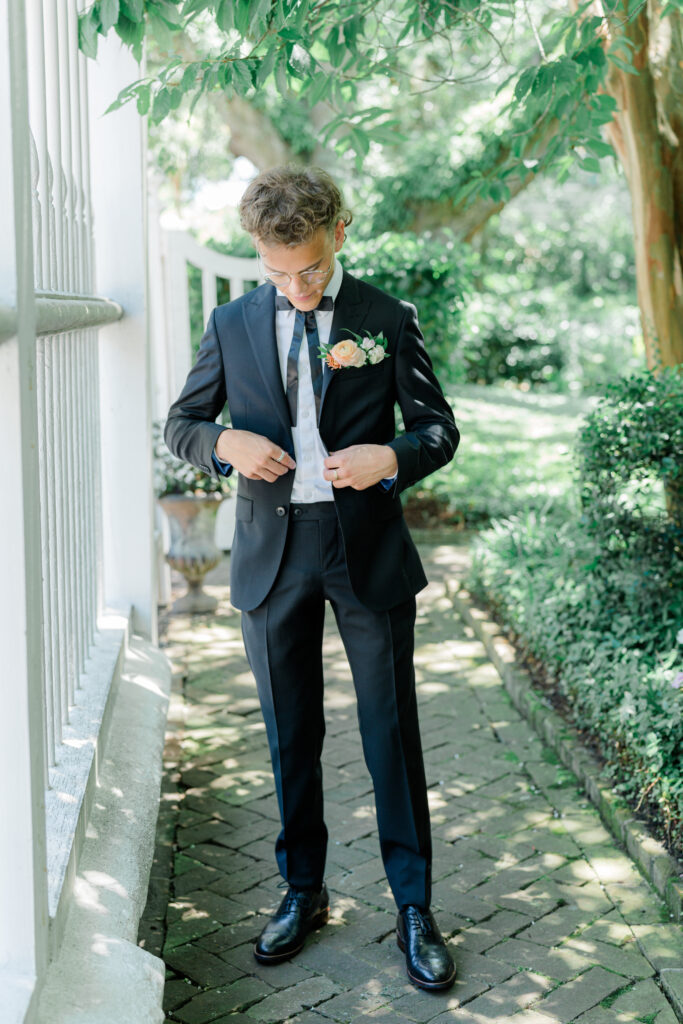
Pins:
x: 253, y: 455
x: 360, y: 465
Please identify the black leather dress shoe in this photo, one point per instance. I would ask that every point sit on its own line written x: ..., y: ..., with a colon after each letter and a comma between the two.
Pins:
x: 428, y: 962
x: 301, y: 912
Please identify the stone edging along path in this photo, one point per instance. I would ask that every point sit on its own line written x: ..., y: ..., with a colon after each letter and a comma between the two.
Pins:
x: 664, y: 871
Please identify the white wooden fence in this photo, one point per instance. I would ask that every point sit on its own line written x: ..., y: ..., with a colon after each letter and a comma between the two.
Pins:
x: 171, y: 327
x: 171, y: 253
x: 76, y: 498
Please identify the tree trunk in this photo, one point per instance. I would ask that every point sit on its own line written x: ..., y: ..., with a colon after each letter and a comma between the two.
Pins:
x: 647, y: 134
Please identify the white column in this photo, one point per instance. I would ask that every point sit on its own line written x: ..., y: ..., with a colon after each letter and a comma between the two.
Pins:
x: 118, y: 175
x: 23, y: 883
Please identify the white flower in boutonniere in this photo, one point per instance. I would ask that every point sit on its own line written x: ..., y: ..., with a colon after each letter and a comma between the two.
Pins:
x: 355, y: 351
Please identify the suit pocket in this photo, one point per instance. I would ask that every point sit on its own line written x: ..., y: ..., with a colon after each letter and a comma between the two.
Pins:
x: 244, y: 509
x: 361, y: 372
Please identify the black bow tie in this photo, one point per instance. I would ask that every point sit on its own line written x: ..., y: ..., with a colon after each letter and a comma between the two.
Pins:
x: 282, y: 302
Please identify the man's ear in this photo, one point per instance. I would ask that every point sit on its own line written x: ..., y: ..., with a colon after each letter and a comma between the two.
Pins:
x: 339, y: 235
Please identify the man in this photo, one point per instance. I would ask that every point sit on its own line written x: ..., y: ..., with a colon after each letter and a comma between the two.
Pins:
x: 319, y: 519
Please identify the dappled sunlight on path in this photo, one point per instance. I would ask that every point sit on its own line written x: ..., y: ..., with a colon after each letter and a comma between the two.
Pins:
x: 548, y: 920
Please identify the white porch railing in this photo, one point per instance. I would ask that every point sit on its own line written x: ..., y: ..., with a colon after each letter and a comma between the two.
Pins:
x: 76, y: 498
x: 171, y: 330
x: 171, y: 253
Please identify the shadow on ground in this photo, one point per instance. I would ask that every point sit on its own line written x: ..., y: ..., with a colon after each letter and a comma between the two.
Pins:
x: 548, y: 920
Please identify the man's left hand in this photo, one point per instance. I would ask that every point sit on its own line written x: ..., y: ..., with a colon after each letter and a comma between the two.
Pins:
x: 360, y: 465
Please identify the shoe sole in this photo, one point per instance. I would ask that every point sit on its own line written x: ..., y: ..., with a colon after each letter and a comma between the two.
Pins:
x: 430, y: 986
x: 320, y: 919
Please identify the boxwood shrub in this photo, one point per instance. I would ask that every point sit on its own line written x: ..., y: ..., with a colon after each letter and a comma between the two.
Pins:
x: 593, y: 588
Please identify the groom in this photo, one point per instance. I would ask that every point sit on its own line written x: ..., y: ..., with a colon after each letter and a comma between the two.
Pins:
x: 319, y: 519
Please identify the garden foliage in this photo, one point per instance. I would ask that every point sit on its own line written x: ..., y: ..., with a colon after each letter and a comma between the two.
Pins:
x: 598, y: 596
x: 434, y: 273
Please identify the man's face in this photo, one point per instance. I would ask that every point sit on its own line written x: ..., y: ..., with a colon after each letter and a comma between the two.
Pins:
x: 316, y: 255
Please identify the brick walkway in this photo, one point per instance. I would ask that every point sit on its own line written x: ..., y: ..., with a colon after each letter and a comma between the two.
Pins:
x: 548, y: 920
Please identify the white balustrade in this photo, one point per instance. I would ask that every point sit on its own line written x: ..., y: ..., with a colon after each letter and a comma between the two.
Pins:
x: 76, y: 497
x: 172, y: 345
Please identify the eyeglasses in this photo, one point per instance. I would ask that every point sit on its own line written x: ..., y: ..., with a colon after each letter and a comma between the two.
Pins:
x: 282, y: 280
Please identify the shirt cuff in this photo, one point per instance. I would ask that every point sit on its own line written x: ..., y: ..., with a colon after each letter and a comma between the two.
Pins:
x: 223, y: 467
x: 388, y: 481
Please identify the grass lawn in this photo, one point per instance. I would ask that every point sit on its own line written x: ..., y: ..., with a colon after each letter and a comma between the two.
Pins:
x: 515, y: 451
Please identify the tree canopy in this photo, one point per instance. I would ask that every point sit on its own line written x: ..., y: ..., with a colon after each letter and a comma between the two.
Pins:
x: 571, y: 86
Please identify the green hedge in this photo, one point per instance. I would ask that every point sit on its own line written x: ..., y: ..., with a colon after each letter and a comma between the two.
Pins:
x: 595, y: 591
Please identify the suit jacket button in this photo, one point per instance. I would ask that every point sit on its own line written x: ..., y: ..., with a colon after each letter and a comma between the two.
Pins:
x: 280, y: 511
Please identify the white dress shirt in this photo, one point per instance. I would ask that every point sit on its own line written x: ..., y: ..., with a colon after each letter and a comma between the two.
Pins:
x: 309, y: 450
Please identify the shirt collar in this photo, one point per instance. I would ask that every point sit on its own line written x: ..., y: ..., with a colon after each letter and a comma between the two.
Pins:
x: 334, y: 284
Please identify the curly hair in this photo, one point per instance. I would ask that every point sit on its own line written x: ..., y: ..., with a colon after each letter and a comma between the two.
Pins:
x: 287, y: 205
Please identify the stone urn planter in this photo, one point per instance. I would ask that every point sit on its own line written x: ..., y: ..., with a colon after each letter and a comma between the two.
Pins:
x: 192, y: 521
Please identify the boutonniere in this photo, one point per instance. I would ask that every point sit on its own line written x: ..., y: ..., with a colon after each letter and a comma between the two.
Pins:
x: 355, y: 351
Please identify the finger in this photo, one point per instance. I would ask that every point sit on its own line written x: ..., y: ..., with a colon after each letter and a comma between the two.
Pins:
x: 275, y: 467
x: 286, y: 459
x: 265, y: 474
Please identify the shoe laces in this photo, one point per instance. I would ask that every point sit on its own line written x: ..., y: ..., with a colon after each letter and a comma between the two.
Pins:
x: 293, y: 895
x: 415, y: 916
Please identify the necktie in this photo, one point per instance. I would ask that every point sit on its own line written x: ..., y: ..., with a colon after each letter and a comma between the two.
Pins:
x: 304, y: 321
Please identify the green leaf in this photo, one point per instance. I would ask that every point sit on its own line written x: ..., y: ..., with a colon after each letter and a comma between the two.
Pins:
x: 143, y: 98
x: 525, y: 82
x: 317, y: 87
x: 225, y: 15
x: 189, y: 78
x: 243, y: 16
x: 266, y: 65
x: 131, y: 34
x: 259, y: 13
x: 87, y: 33
x: 133, y: 9
x: 193, y: 7
x: 599, y: 148
x: 197, y: 95
x: 118, y: 102
x: 635, y: 7
x: 622, y: 64
x: 589, y: 163
x: 281, y: 76
x: 169, y: 12
x: 161, y: 105
x: 109, y: 14
x: 241, y: 77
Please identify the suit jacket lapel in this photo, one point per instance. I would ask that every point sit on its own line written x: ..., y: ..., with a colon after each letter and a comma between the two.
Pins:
x: 349, y: 313
x: 259, y: 320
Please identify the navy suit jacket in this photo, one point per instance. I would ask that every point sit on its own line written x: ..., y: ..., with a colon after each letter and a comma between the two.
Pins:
x: 238, y: 363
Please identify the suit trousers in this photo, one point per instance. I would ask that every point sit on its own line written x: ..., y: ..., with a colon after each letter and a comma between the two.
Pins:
x: 283, y: 639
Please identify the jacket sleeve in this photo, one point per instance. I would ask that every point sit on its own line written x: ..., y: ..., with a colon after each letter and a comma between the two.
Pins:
x: 191, y: 431
x: 431, y: 436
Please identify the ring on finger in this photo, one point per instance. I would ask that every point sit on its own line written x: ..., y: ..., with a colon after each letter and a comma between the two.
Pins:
x: 282, y: 455
x: 336, y: 474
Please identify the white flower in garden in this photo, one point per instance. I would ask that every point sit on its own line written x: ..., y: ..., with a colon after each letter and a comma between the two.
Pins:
x: 678, y: 681
x: 376, y: 354
x: 679, y: 636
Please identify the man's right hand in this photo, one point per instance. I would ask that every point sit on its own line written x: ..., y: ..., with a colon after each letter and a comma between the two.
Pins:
x: 253, y: 455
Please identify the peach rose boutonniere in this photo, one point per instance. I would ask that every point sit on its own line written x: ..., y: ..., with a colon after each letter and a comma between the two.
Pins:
x: 355, y: 351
